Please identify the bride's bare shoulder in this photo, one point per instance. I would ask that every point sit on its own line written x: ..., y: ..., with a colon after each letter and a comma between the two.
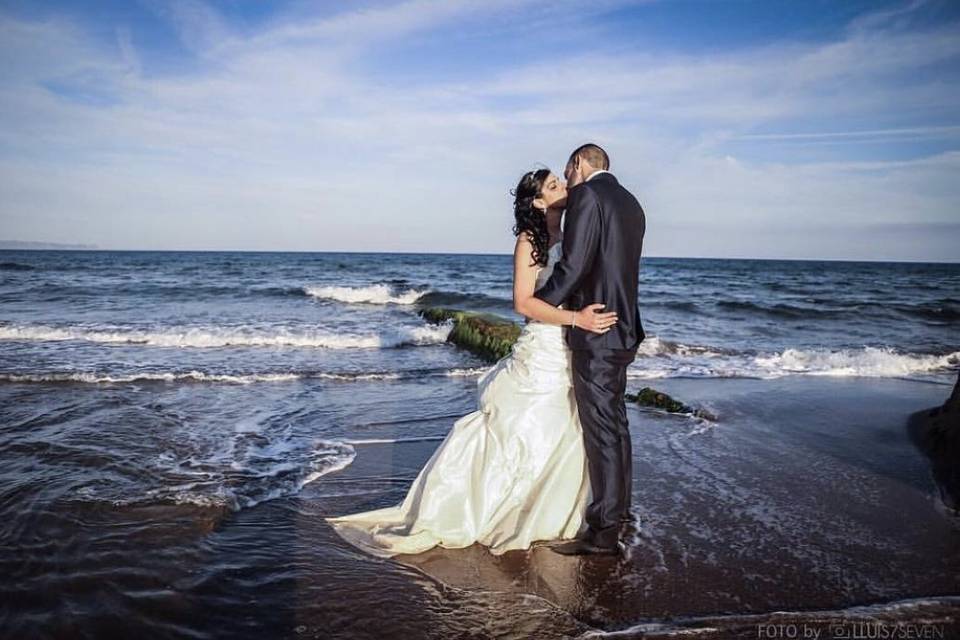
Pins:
x: 523, y: 253
x: 525, y: 237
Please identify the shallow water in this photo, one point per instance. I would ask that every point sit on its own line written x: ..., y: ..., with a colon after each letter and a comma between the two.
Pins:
x: 805, y: 494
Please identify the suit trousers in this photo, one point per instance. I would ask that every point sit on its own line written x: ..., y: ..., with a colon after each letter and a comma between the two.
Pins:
x: 599, y: 384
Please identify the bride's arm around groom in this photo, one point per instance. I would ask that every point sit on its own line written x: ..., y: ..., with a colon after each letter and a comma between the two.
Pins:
x: 526, y: 304
x: 581, y: 240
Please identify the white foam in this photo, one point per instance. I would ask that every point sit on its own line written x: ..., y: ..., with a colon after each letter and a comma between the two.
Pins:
x: 655, y: 346
x: 211, y: 337
x: 658, y: 358
x: 466, y: 373
x: 358, y: 376
x: 879, y: 362
x: 198, y: 376
x: 394, y: 440
x: 373, y: 294
x: 908, y: 610
x: 237, y: 484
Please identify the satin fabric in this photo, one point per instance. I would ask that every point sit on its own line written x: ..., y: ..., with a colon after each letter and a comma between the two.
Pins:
x: 510, y: 473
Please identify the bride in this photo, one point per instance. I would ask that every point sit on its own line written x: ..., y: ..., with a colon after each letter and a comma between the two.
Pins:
x: 513, y: 471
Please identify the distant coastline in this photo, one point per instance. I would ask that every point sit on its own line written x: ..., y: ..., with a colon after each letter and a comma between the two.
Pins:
x: 28, y: 244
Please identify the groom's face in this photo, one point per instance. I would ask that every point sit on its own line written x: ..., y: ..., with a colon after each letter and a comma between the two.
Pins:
x: 572, y: 173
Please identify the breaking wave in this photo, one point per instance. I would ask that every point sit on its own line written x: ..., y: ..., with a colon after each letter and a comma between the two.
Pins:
x: 373, y: 294
x: 207, y: 337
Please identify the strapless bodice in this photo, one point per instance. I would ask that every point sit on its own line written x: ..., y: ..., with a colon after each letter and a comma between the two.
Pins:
x: 553, y: 255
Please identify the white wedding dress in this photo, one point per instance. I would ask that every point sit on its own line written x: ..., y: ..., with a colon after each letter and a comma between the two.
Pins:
x: 511, y: 472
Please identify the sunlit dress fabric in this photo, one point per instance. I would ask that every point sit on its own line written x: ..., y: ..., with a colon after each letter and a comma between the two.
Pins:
x: 508, y: 474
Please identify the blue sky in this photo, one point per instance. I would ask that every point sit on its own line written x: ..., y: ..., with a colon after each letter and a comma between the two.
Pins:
x: 747, y: 129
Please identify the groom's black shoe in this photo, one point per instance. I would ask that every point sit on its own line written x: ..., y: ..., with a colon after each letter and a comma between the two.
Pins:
x: 579, y: 547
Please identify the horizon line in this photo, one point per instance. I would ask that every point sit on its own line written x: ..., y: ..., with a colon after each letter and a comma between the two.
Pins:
x: 462, y: 253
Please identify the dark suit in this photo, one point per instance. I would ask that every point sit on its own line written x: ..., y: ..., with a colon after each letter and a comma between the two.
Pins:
x: 602, y: 241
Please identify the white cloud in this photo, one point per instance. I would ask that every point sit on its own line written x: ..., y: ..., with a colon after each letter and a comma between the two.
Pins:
x: 284, y: 138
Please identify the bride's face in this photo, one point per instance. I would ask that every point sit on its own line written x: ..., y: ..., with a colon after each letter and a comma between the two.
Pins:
x: 553, y: 195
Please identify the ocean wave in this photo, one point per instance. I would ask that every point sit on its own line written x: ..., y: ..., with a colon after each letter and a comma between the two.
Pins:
x: 228, y: 337
x: 373, y: 294
x: 945, y: 310
x: 468, y: 301
x: 662, y: 359
x: 275, y: 470
x: 394, y: 440
x: 90, y: 377
x: 194, y: 376
x: 882, y: 362
x: 656, y: 346
x: 942, y: 310
x: 50, y: 291
x: 675, y: 305
x: 780, y: 310
x: 16, y: 266
x: 462, y: 373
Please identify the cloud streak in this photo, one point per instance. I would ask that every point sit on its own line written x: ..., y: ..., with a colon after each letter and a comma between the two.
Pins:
x: 300, y: 135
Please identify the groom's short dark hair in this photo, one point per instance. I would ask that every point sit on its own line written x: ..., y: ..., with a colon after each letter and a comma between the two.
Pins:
x: 593, y: 154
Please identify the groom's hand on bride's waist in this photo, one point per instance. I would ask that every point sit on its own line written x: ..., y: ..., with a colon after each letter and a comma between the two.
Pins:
x: 590, y: 318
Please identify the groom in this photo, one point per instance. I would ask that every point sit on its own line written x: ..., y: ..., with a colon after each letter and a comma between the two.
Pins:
x: 602, y: 240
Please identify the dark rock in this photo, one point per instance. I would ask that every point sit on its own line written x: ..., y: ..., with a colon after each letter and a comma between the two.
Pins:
x: 937, y: 433
x: 483, y: 334
x: 491, y: 337
x: 648, y: 397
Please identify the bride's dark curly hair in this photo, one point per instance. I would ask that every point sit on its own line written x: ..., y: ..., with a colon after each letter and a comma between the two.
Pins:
x: 529, y: 218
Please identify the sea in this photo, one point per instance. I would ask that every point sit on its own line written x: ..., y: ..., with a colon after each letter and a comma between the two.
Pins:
x: 134, y: 380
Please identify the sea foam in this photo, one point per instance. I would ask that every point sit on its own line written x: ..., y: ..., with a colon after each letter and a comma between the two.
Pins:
x: 93, y: 377
x: 373, y: 294
x: 883, y: 362
x: 207, y: 337
x: 661, y: 359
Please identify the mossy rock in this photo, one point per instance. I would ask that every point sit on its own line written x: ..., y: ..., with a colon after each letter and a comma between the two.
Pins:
x: 491, y: 337
x: 483, y: 334
x: 648, y: 397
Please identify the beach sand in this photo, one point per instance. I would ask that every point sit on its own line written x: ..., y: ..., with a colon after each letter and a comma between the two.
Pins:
x: 805, y: 504
x: 806, y: 495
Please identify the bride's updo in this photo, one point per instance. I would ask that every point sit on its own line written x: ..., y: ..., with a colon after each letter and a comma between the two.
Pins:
x: 529, y: 218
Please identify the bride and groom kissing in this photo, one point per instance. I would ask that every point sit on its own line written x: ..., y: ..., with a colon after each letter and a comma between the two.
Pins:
x: 547, y: 454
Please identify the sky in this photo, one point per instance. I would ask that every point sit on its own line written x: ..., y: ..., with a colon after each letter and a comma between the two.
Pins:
x: 800, y: 130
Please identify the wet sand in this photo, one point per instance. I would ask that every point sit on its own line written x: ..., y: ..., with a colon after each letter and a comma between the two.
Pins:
x: 805, y: 495
x: 805, y: 504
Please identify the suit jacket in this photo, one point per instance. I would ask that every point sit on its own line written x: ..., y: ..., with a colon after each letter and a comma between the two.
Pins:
x: 602, y: 241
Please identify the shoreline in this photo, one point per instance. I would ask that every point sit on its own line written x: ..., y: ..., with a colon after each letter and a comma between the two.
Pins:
x: 721, y: 536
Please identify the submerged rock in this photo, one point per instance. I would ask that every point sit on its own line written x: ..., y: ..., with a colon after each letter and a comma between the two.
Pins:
x: 483, y: 334
x: 937, y: 433
x: 648, y: 397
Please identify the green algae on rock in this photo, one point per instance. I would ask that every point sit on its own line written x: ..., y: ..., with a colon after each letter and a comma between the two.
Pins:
x: 483, y: 334
x: 491, y: 337
x: 648, y: 397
